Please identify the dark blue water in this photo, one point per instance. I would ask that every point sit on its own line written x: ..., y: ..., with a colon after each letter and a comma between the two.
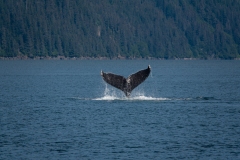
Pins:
x: 64, y: 110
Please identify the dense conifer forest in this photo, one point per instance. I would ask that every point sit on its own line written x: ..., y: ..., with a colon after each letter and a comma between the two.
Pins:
x: 120, y: 28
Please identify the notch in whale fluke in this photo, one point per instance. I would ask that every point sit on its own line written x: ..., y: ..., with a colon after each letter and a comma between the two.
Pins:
x: 126, y: 84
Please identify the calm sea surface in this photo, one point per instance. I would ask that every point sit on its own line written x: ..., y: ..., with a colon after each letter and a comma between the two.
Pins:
x: 64, y: 110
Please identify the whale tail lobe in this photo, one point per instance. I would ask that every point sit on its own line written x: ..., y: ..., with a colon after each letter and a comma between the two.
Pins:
x: 126, y: 84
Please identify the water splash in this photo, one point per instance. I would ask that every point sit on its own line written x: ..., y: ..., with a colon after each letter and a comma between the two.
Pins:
x: 135, y: 98
x: 110, y: 94
x: 151, y: 73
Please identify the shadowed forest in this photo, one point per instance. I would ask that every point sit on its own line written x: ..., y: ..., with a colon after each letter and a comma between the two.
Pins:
x: 166, y: 29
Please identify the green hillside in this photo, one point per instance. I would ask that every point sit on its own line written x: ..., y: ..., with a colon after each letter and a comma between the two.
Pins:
x: 112, y: 28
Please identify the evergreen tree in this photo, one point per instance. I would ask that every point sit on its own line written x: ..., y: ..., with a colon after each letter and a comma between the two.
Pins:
x: 91, y: 28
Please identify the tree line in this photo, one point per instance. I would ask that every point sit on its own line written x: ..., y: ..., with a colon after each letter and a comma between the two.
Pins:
x: 113, y: 28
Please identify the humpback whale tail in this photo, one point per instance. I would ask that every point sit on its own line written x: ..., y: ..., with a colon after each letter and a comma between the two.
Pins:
x: 126, y: 84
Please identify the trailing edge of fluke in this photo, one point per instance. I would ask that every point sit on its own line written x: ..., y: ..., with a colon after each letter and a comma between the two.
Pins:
x: 126, y: 84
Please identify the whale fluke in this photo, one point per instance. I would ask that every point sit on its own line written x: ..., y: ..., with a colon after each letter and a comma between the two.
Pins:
x: 126, y: 84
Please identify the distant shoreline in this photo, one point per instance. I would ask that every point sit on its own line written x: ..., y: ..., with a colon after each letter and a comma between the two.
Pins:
x: 104, y: 58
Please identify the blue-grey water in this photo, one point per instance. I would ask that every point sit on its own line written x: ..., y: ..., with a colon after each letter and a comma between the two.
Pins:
x: 64, y: 110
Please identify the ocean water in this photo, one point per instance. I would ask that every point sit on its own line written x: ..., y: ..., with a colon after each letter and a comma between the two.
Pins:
x: 64, y: 110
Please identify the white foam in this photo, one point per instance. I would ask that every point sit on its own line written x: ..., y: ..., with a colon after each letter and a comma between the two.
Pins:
x: 146, y: 98
x: 110, y: 94
x: 134, y: 98
x: 107, y: 98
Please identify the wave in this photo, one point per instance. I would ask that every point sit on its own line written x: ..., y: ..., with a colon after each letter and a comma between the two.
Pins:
x: 142, y: 97
x: 134, y: 98
x: 110, y: 94
x: 116, y: 98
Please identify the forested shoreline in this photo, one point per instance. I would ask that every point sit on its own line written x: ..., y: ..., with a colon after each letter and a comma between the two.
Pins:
x: 121, y: 29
